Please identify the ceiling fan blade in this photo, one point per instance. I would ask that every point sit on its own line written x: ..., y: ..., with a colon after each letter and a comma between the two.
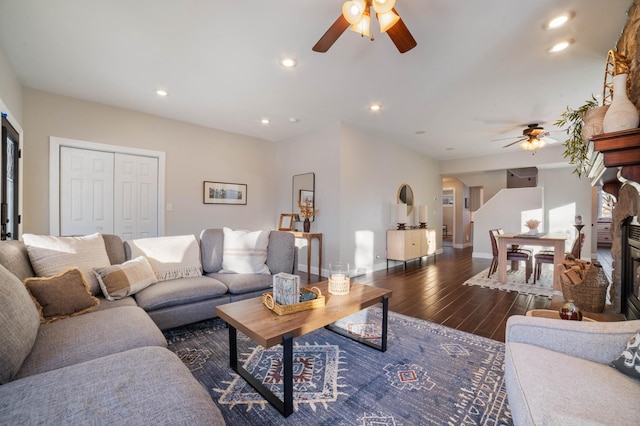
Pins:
x: 504, y: 139
x: 332, y: 34
x: 516, y: 141
x: 401, y: 36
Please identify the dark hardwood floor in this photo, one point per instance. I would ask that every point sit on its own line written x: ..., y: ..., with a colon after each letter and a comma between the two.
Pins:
x: 434, y: 291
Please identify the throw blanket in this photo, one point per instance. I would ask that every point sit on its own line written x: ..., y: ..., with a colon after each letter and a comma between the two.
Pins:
x: 170, y: 257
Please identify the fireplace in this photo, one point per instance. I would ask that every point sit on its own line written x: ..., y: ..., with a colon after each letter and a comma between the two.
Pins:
x: 630, y: 265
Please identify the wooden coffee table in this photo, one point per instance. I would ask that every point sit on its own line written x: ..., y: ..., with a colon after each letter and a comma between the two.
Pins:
x: 267, y: 328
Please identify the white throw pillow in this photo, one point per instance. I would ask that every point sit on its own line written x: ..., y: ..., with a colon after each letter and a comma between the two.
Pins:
x: 51, y: 255
x: 245, y: 252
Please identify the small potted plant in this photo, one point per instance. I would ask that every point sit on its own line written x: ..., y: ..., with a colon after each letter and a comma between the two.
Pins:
x: 582, y: 123
x: 306, y: 213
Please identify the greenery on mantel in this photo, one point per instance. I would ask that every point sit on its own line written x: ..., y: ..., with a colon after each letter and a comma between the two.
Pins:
x: 575, y: 149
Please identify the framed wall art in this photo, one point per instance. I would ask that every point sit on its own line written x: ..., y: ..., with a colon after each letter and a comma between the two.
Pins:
x: 306, y: 195
x: 225, y: 193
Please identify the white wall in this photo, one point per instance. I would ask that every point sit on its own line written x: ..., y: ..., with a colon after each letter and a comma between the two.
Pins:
x: 357, y: 179
x: 10, y: 91
x: 193, y: 154
x: 491, y: 181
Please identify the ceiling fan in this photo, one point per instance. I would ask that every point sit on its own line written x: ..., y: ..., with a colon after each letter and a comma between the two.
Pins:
x: 357, y: 14
x: 533, y: 138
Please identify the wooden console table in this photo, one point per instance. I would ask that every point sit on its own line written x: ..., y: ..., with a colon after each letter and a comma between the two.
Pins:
x: 309, y: 236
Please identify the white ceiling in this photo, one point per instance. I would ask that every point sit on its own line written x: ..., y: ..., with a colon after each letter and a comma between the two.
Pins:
x: 481, y: 70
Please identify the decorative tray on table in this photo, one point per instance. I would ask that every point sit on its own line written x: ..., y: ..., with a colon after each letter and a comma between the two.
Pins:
x: 312, y: 298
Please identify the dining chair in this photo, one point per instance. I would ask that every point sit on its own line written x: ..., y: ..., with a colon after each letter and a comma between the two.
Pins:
x: 514, y: 254
x: 546, y: 256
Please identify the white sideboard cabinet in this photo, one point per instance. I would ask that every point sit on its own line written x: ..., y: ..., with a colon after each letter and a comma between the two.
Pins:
x: 410, y: 244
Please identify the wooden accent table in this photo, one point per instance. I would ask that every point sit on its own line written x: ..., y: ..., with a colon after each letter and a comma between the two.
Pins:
x: 309, y: 236
x: 267, y: 329
x: 555, y: 241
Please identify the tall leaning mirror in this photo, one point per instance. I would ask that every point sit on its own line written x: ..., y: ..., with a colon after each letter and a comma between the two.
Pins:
x: 304, y: 188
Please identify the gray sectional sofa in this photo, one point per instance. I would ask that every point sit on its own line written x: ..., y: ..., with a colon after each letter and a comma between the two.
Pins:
x: 111, y: 365
x: 557, y: 372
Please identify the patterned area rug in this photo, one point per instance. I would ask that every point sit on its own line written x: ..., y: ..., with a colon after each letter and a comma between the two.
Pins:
x: 430, y: 374
x: 516, y: 282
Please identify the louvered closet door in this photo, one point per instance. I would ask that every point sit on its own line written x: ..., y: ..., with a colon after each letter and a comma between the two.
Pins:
x: 86, y: 191
x: 136, y: 196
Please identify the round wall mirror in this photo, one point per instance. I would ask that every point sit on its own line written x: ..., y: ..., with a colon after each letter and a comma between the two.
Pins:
x: 405, y: 195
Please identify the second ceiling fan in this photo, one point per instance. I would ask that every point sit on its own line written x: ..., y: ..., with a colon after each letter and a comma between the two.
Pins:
x: 533, y: 138
x: 357, y: 15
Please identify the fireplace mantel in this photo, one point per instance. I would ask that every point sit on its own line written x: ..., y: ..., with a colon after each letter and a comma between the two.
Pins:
x: 616, y: 150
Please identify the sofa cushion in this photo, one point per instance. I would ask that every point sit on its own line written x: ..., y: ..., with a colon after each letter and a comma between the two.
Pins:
x: 245, y: 252
x: 244, y: 283
x: 281, y: 252
x: 211, y: 247
x: 118, y: 281
x: 170, y: 257
x: 61, y: 296
x: 140, y: 386
x: 629, y: 360
x: 86, y: 337
x: 51, y: 255
x: 178, y: 292
x: 20, y: 322
x: 542, y: 383
x: 14, y: 257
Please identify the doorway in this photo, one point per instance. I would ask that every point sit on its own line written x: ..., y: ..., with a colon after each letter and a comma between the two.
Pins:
x: 9, y: 192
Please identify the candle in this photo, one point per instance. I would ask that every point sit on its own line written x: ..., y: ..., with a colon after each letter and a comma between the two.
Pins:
x: 422, y: 214
x: 401, y: 213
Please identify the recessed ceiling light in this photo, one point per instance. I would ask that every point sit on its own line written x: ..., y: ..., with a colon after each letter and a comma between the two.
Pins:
x: 558, y: 47
x: 288, y: 62
x: 162, y: 93
x: 559, y: 20
x: 265, y: 121
x: 375, y: 107
x: 449, y: 149
x: 420, y: 132
x: 293, y: 120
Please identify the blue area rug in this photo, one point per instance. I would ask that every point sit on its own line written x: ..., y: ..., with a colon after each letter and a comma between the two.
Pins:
x: 430, y: 374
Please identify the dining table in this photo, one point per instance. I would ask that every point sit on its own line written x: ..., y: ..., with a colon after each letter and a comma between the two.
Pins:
x: 556, y: 241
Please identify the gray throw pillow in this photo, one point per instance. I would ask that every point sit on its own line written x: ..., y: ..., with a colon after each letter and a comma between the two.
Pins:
x: 20, y: 322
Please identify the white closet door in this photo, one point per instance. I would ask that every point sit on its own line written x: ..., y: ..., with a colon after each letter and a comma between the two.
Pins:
x: 86, y: 191
x: 136, y: 196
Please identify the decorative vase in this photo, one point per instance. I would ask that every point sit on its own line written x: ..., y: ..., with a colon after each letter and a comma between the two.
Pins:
x: 622, y: 113
x: 533, y: 231
x: 592, y: 122
x: 569, y: 311
x: 306, y: 225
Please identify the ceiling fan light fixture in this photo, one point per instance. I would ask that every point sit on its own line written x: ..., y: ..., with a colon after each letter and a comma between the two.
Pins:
x: 383, y: 6
x: 532, y: 144
x: 387, y: 20
x: 353, y: 10
x: 363, y: 26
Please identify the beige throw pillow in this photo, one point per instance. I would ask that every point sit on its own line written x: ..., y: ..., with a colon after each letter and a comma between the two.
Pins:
x: 118, y: 281
x: 245, y: 252
x: 61, y: 296
x: 51, y: 255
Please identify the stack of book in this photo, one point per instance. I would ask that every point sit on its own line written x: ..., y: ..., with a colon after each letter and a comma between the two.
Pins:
x: 286, y: 288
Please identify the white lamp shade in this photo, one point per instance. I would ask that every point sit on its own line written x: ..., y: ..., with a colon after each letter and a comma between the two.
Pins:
x: 362, y: 27
x: 422, y: 214
x: 401, y: 213
x: 352, y: 11
x: 387, y: 20
x: 383, y: 6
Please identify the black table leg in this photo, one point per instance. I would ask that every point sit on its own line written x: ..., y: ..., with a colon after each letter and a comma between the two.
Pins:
x: 383, y: 340
x: 286, y: 406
